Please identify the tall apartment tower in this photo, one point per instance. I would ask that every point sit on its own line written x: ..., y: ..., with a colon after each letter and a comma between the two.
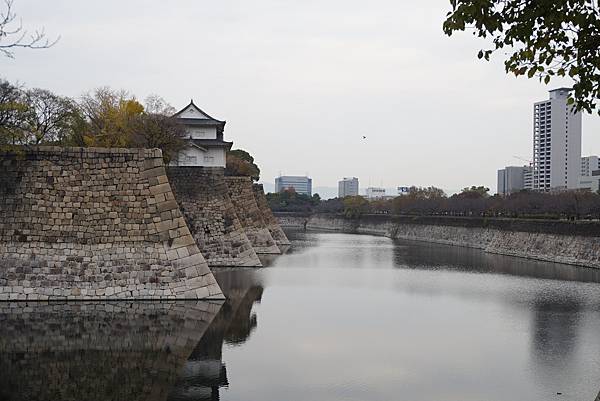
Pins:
x: 348, y: 186
x: 556, y: 143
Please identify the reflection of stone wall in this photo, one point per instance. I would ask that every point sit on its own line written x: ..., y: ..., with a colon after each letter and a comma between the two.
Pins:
x: 242, y: 195
x: 272, y: 223
x: 97, y: 351
x: 92, y: 223
x: 203, y: 199
x: 205, y: 372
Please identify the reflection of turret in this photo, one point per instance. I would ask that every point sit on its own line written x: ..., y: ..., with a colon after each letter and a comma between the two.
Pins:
x: 205, y: 372
x: 244, y: 321
x: 468, y: 259
x: 97, y: 351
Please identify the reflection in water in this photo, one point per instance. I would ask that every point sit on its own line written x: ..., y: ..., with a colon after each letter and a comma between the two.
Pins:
x: 344, y: 317
x: 555, y: 334
x: 428, y: 255
x: 97, y: 351
x: 205, y: 372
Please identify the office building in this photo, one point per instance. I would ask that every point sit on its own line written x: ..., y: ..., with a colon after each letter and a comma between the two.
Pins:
x: 513, y: 179
x: 589, y: 164
x: 300, y: 184
x: 375, y: 193
x: 348, y: 187
x: 590, y: 182
x: 556, y: 143
x: 590, y: 173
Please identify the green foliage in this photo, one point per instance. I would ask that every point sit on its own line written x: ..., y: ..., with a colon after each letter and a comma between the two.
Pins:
x: 543, y: 39
x: 475, y: 192
x: 240, y: 162
x: 291, y: 201
x: 13, y: 114
x: 419, y: 200
x: 355, y: 206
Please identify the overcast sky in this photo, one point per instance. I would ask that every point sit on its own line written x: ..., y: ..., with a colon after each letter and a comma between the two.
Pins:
x: 301, y: 81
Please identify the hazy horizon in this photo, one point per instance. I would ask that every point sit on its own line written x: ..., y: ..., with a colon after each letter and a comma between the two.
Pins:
x: 300, y: 83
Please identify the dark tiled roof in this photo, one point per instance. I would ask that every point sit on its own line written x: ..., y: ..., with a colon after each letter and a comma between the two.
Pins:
x: 212, y: 143
x: 199, y: 110
x: 201, y: 122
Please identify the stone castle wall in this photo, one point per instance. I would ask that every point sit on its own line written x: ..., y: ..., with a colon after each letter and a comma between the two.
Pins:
x: 202, y: 195
x: 93, y: 223
x: 272, y: 223
x: 97, y: 351
x: 242, y: 195
x: 561, y: 242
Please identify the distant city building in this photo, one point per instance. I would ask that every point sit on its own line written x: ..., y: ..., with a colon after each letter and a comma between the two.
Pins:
x: 375, y: 193
x: 589, y: 164
x: 348, y: 187
x: 205, y: 137
x: 513, y: 179
x: 590, y: 182
x: 300, y: 184
x: 403, y: 191
x: 528, y: 178
x: 556, y: 143
x: 590, y: 173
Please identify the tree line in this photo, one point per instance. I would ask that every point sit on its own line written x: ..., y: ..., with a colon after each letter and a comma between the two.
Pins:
x: 471, y: 201
x: 103, y: 117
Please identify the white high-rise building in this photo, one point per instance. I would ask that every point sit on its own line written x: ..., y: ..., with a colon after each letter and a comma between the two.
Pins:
x: 589, y: 164
x: 348, y: 186
x: 556, y: 143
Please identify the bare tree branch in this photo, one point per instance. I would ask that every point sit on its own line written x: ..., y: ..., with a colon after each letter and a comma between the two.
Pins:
x: 14, y: 36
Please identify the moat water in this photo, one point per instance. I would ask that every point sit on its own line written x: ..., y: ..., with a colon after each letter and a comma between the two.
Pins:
x: 338, y: 317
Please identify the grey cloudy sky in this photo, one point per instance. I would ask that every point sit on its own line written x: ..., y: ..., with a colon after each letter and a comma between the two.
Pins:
x: 301, y: 81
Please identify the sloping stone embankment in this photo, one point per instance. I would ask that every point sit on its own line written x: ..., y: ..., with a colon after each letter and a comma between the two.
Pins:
x: 242, y: 195
x: 93, y: 223
x: 270, y: 220
x: 201, y: 193
x: 575, y: 243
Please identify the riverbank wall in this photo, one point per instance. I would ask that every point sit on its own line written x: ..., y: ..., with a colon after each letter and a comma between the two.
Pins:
x: 242, y: 195
x: 94, y: 223
x: 272, y: 224
x: 575, y: 243
x: 203, y: 198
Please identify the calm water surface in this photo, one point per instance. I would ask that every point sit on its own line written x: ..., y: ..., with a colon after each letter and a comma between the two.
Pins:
x: 339, y: 317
